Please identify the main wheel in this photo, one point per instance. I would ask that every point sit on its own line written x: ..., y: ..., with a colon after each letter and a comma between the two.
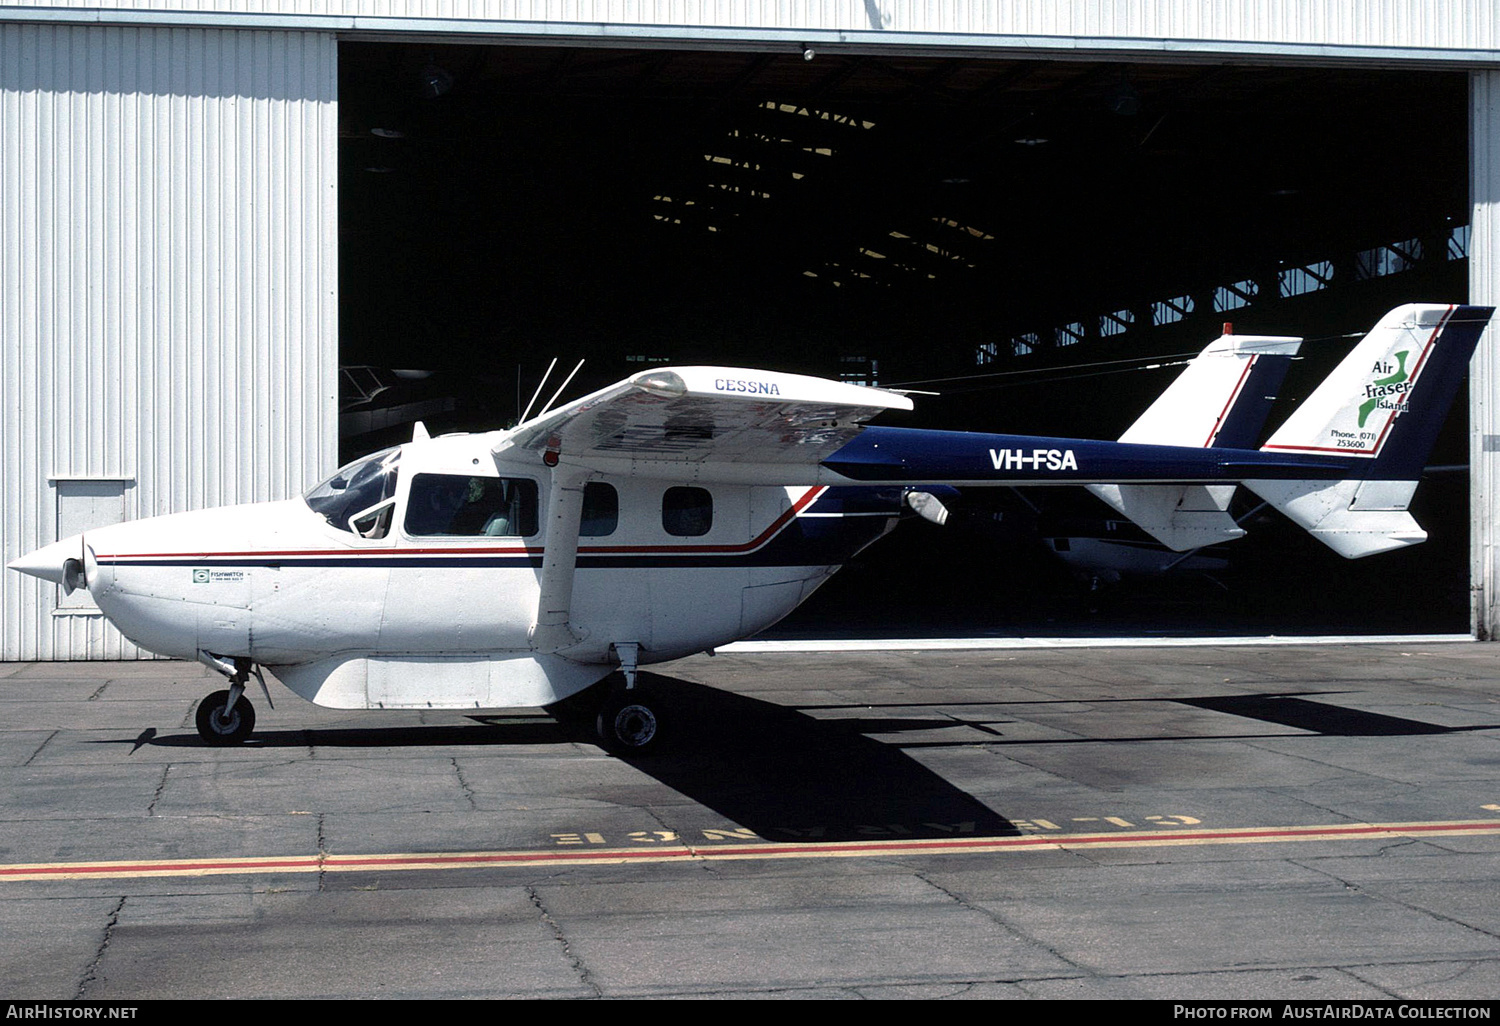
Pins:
x: 218, y: 729
x: 629, y: 723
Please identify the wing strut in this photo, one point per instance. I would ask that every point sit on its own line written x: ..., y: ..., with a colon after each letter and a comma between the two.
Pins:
x: 552, y: 631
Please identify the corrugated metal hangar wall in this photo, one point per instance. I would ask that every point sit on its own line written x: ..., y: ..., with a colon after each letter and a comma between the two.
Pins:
x: 169, y: 239
x: 168, y: 336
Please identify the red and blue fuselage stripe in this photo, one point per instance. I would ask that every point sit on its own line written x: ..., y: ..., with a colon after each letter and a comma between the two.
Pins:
x: 840, y: 522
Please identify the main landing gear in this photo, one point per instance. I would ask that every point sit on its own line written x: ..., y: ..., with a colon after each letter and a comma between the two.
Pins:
x: 227, y: 717
x: 629, y: 719
x: 628, y: 723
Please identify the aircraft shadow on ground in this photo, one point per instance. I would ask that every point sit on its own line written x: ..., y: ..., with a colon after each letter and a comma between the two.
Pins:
x: 788, y: 775
x: 1321, y: 717
x: 777, y: 771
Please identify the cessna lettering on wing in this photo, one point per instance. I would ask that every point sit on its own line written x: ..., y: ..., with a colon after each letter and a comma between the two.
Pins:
x: 741, y: 385
x: 1033, y: 459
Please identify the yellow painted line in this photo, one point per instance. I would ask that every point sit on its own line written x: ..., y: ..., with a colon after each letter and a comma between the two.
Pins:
x: 678, y: 852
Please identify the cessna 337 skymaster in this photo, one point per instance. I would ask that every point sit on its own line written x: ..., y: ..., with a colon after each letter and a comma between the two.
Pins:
x: 684, y: 508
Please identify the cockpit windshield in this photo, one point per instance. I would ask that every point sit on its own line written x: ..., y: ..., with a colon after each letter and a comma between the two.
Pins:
x: 356, y: 488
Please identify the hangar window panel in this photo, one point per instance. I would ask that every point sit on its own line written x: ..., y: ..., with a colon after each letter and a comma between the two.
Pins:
x: 1116, y: 323
x: 1389, y: 259
x: 1458, y: 243
x: 601, y: 510
x: 1232, y: 297
x: 1169, y: 311
x: 986, y: 352
x: 1024, y: 345
x: 687, y: 512
x: 1070, y: 334
x: 456, y: 505
x: 1297, y: 281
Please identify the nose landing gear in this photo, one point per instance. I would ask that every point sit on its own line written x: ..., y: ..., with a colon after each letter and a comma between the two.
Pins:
x: 227, y: 717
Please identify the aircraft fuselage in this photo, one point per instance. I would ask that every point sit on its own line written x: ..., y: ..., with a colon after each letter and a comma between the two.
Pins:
x: 435, y: 607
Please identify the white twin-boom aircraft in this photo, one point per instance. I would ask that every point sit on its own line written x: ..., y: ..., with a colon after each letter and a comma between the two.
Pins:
x: 685, y: 508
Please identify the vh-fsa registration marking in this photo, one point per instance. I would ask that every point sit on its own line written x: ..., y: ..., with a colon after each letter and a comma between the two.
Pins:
x: 1033, y: 459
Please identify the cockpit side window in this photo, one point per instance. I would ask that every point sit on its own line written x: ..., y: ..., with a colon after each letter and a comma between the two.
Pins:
x: 355, y: 489
x: 462, y: 506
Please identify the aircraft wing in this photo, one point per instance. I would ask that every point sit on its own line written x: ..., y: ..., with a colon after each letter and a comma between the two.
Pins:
x: 701, y: 415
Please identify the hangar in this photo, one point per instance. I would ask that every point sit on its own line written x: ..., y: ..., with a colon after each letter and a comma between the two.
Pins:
x: 218, y: 229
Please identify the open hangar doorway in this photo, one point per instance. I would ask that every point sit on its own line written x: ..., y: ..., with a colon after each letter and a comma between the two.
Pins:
x: 1029, y: 238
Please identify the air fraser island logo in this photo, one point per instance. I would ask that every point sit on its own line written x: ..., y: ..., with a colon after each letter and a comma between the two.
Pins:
x: 1389, y: 392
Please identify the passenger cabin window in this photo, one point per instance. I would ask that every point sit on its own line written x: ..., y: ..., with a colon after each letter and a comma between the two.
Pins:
x: 601, y: 510
x: 687, y: 512
x: 460, y: 506
x: 359, y: 497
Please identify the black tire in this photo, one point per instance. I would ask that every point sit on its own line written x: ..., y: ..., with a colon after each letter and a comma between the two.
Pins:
x: 629, y: 723
x: 215, y: 729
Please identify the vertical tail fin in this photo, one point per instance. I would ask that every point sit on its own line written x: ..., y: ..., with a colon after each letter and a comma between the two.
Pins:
x: 1382, y: 407
x: 1223, y: 396
x: 1220, y: 400
x: 1387, y: 400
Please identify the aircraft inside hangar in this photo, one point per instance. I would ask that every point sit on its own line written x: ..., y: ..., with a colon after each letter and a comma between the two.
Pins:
x: 1037, y: 241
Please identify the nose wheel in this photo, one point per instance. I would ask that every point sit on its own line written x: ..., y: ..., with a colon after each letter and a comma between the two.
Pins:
x: 224, y: 722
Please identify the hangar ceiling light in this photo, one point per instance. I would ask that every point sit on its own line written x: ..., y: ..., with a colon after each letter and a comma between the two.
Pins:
x: 433, y: 81
x: 1123, y: 99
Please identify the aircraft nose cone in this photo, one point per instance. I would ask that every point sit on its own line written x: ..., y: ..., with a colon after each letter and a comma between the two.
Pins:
x: 48, y: 562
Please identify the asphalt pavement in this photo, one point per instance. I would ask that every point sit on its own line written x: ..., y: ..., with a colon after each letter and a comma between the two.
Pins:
x: 1219, y: 821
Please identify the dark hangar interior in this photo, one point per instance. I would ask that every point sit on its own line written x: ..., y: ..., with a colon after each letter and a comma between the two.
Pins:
x: 1028, y: 238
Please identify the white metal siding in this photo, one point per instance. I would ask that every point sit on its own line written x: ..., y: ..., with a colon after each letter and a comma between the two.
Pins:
x: 1484, y: 372
x: 1406, y: 25
x: 168, y: 271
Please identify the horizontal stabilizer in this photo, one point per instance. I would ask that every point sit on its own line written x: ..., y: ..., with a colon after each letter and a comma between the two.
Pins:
x: 1181, y: 517
x: 1353, y: 518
